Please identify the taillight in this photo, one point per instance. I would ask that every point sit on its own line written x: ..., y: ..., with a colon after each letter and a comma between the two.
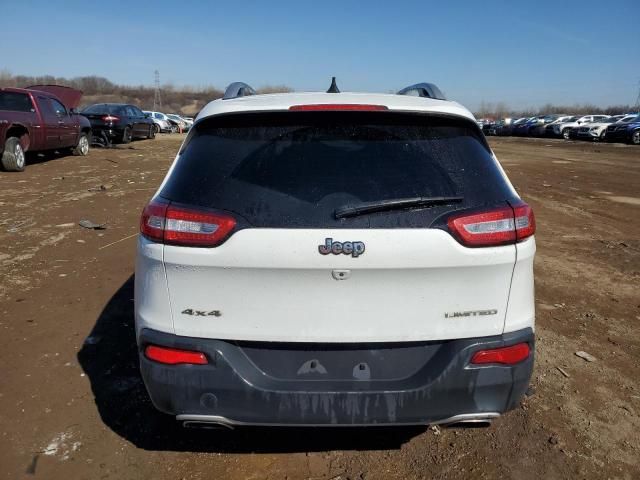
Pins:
x: 338, y: 107
x: 174, y: 224
x: 505, y: 355
x: 498, y: 226
x: 110, y: 118
x: 174, y: 356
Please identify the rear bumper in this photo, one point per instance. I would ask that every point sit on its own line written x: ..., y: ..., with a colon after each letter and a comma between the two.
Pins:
x: 261, y: 383
x: 111, y: 132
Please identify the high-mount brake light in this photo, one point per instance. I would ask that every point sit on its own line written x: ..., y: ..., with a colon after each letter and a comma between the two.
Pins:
x: 110, y: 118
x: 174, y: 224
x: 498, y: 226
x: 339, y: 107
x: 505, y: 355
x: 174, y: 356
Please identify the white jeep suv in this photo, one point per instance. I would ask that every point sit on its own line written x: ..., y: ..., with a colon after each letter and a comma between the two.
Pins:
x: 335, y: 259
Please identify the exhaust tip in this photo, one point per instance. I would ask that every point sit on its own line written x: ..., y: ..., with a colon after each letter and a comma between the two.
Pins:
x: 478, y: 423
x: 207, y: 425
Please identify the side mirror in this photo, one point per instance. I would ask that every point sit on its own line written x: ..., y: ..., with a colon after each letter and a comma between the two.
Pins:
x: 73, y: 111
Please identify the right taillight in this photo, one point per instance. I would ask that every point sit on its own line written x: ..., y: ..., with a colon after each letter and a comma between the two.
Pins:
x: 498, y: 226
x: 173, y: 224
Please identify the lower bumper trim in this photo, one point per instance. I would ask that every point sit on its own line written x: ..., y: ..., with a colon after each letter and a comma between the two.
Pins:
x: 217, y: 420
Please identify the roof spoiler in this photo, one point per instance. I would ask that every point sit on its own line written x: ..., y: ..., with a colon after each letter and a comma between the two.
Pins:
x: 428, y: 90
x: 238, y: 89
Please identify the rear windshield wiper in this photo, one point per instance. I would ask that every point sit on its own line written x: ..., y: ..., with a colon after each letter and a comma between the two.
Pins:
x: 393, y: 204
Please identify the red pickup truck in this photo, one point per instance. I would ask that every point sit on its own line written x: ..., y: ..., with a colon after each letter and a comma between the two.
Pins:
x: 39, y: 118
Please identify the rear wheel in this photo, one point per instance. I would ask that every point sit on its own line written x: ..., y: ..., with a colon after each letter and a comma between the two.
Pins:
x: 13, y: 157
x: 156, y: 128
x: 126, y: 135
x: 566, y: 133
x: 152, y: 131
x: 82, y: 148
x: 635, y: 137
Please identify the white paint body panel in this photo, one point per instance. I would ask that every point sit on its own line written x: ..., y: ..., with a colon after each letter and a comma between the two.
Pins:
x: 273, y: 285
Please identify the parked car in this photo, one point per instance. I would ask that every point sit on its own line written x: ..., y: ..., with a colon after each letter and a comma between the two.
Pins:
x: 522, y: 129
x: 119, y: 122
x: 161, y: 122
x: 550, y: 129
x: 596, y: 130
x: 539, y: 127
x: 566, y: 130
x: 625, y: 130
x: 370, y: 291
x: 180, y: 122
x: 39, y: 118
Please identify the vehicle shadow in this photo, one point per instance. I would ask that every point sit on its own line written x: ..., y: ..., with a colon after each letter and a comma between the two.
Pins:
x: 109, y: 357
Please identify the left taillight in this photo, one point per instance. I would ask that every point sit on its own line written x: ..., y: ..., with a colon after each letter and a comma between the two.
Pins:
x: 503, y: 356
x: 497, y: 226
x: 174, y: 224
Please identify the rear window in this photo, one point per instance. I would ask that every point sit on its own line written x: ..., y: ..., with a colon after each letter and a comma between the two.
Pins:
x: 294, y: 169
x: 15, y: 102
x: 104, y: 108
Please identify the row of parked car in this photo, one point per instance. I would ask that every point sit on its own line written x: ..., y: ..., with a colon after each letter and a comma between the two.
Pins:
x: 46, y: 118
x: 614, y: 128
x: 120, y: 122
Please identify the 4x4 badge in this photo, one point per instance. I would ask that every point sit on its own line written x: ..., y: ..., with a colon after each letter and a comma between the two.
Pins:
x: 355, y: 249
x: 202, y: 313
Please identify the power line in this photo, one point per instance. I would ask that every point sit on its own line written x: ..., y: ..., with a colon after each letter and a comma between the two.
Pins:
x: 157, y: 98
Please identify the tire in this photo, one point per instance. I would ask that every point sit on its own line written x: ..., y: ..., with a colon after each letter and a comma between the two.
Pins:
x: 13, y: 159
x: 126, y: 135
x: 82, y: 148
x: 603, y: 135
x: 566, y: 134
x: 635, y: 137
x: 156, y: 128
x: 152, y: 131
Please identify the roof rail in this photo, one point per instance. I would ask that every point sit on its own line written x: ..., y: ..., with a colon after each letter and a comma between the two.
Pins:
x: 238, y: 89
x: 428, y: 90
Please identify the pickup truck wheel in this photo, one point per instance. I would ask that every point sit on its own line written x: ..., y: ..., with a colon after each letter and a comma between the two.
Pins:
x: 152, y: 131
x: 13, y: 157
x: 83, y: 146
x: 126, y: 135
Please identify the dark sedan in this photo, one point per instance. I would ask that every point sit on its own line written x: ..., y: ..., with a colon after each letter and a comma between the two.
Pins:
x: 119, y: 122
x: 625, y: 130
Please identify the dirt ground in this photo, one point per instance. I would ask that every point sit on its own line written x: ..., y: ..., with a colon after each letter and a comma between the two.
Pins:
x: 72, y: 405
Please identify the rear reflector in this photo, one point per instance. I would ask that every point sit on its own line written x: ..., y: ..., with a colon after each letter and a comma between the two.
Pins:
x: 499, y: 226
x: 338, y: 107
x: 505, y: 356
x: 173, y: 224
x: 173, y: 356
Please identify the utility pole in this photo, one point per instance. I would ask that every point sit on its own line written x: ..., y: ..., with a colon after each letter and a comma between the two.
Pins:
x: 638, y: 97
x: 157, y: 99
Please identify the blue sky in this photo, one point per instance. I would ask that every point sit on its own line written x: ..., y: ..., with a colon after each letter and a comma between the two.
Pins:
x: 524, y: 54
